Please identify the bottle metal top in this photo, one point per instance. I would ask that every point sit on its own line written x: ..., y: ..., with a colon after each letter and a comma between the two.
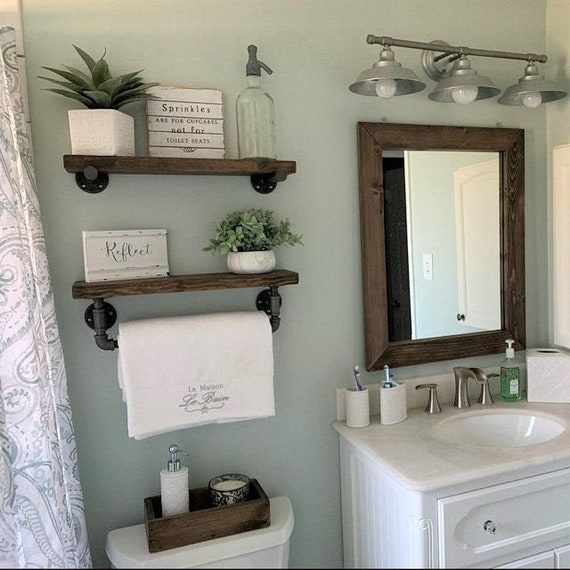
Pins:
x: 254, y: 66
x: 173, y: 463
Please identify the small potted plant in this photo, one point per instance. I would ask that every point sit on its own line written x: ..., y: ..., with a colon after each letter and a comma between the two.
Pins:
x: 248, y: 237
x: 101, y: 129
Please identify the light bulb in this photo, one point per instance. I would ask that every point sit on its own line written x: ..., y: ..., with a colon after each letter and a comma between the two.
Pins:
x: 532, y: 99
x: 464, y: 95
x: 385, y: 88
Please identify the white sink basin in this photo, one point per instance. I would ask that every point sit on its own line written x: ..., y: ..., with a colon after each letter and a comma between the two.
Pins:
x: 503, y: 428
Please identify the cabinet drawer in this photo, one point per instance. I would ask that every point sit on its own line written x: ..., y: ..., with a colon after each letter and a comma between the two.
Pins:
x: 542, y: 560
x: 504, y: 520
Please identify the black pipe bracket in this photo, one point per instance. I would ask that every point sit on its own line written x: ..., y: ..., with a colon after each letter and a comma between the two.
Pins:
x: 92, y: 181
x: 266, y: 183
x: 269, y: 301
x: 101, y: 316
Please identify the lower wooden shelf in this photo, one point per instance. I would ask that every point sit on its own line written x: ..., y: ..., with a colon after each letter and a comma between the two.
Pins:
x: 181, y: 283
x: 100, y: 315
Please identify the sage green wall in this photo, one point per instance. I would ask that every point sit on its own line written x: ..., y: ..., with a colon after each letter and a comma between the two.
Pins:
x: 316, y: 48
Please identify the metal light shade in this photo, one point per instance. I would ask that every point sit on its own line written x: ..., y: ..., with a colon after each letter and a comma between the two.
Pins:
x: 406, y: 80
x: 531, y: 82
x: 463, y: 76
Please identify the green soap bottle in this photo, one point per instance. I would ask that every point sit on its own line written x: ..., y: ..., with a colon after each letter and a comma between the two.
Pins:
x: 510, y: 375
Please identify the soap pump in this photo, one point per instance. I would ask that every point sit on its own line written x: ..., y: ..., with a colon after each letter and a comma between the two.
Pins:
x: 174, y: 495
x: 510, y: 375
x: 255, y: 113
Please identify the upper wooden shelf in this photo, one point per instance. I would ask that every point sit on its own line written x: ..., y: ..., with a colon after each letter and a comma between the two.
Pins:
x: 180, y: 283
x: 91, y: 172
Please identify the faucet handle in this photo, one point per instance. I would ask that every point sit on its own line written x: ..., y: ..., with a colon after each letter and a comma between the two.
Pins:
x: 485, y: 397
x: 432, y: 406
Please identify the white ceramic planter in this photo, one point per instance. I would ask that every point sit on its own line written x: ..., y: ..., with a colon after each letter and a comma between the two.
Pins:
x: 105, y: 132
x: 251, y: 261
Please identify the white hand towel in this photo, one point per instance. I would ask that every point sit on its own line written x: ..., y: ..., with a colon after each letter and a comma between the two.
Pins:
x: 180, y: 372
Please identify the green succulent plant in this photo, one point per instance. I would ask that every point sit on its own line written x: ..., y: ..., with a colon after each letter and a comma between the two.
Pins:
x: 251, y: 230
x: 98, y: 89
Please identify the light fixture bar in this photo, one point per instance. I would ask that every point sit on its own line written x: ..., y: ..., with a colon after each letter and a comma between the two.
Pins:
x: 456, y: 81
x: 449, y: 50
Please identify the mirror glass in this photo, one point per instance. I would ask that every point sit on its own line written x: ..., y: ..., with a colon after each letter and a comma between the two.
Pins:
x: 442, y: 239
x: 441, y: 224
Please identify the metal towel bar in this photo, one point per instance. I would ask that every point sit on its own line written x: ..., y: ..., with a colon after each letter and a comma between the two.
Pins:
x: 101, y: 315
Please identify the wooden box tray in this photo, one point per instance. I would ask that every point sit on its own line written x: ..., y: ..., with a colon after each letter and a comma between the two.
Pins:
x: 204, y: 522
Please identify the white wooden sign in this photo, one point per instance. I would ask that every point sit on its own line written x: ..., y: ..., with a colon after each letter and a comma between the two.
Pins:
x: 124, y: 254
x: 185, y: 122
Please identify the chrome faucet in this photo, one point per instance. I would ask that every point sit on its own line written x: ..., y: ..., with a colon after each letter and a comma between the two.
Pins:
x: 462, y: 375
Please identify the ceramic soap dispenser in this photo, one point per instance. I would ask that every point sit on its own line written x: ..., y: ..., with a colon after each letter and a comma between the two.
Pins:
x: 174, y: 495
x: 255, y: 113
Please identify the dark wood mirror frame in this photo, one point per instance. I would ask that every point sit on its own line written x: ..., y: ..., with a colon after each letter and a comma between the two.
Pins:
x: 373, y: 138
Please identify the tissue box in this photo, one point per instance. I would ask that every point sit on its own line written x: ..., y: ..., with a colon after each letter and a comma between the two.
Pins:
x: 548, y: 375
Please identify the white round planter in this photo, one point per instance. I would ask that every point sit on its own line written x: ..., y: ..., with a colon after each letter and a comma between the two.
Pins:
x: 251, y: 261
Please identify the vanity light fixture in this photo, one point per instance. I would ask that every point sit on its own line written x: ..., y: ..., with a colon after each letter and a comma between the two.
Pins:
x: 457, y: 81
x: 387, y: 78
x: 463, y: 85
x: 531, y: 90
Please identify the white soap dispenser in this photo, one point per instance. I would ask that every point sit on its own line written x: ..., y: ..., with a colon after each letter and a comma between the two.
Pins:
x: 174, y: 495
x: 255, y: 113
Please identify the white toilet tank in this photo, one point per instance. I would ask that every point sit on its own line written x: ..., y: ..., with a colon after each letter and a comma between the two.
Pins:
x: 263, y: 548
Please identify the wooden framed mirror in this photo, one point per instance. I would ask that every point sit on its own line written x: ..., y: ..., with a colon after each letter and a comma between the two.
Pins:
x: 376, y: 141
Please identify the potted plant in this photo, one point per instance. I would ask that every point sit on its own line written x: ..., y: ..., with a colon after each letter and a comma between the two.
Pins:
x: 248, y: 237
x: 101, y: 129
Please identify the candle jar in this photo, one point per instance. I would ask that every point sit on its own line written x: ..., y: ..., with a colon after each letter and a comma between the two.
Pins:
x: 228, y: 489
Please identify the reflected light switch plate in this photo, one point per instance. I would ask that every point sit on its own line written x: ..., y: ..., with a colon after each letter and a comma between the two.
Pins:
x: 427, y: 265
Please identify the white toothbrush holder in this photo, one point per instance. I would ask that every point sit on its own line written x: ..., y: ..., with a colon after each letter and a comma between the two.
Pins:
x: 393, y: 404
x: 357, y: 407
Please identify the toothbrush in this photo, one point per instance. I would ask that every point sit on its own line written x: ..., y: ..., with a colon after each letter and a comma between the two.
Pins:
x: 388, y: 383
x: 356, y: 372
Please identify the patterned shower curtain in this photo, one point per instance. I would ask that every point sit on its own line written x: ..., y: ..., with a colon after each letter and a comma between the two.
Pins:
x: 42, y: 523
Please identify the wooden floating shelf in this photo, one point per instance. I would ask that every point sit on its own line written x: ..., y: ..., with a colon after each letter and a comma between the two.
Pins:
x: 91, y: 172
x: 162, y: 165
x: 100, y: 315
x: 181, y: 283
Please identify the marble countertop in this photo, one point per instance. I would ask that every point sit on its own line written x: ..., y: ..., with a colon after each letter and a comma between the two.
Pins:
x: 413, y: 453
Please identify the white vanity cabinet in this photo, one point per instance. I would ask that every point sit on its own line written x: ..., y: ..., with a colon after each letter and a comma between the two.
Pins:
x: 518, y: 520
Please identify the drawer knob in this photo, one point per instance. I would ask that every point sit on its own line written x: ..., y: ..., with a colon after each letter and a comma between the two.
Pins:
x: 490, y: 527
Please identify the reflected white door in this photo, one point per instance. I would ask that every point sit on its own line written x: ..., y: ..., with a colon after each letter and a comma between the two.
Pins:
x: 478, y: 245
